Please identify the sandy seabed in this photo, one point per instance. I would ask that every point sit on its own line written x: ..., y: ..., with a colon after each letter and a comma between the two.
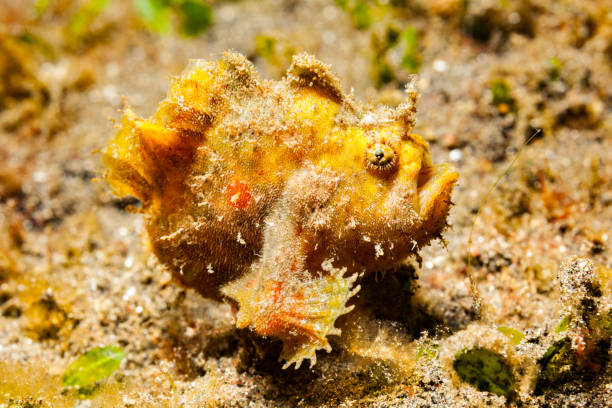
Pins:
x: 75, y: 271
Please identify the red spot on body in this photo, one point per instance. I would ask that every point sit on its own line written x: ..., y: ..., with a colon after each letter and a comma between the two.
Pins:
x: 238, y: 194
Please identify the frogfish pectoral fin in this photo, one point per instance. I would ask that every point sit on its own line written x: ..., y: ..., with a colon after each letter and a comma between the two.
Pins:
x: 300, y: 309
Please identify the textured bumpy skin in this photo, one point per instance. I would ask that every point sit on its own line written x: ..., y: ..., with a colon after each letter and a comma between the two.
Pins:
x: 279, y: 195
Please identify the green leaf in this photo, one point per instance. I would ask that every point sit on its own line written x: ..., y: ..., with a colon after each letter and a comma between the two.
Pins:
x: 362, y: 18
x: 555, y: 365
x: 342, y: 4
x: 555, y: 352
x: 155, y: 14
x: 563, y: 324
x: 515, y: 336
x: 265, y: 46
x: 95, y: 365
x: 38, y: 44
x: 78, y: 26
x: 429, y: 352
x: 392, y: 36
x: 554, y: 72
x: 502, y: 97
x: 195, y: 16
x: 486, y: 371
x: 382, y: 72
x: 500, y: 91
x: 412, y: 59
x: 40, y: 6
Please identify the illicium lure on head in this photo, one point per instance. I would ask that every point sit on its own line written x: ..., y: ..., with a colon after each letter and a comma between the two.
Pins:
x: 279, y: 195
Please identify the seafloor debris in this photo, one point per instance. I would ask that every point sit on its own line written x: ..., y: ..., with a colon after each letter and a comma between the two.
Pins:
x: 279, y: 195
x: 485, y: 358
x: 581, y: 341
x: 23, y: 96
x: 45, y: 318
x: 509, y: 363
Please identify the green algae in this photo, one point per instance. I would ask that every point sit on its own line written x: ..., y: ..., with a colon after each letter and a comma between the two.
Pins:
x: 502, y: 96
x: 194, y: 16
x: 515, y: 336
x: 95, y: 365
x: 563, y: 324
x: 486, y: 371
x: 555, y: 364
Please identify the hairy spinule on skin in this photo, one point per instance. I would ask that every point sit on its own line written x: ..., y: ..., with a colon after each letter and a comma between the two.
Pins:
x: 279, y: 195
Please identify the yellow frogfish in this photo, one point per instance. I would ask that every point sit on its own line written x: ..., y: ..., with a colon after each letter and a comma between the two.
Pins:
x: 279, y: 195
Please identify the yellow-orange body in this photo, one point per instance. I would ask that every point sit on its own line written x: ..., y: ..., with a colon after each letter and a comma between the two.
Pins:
x: 279, y: 194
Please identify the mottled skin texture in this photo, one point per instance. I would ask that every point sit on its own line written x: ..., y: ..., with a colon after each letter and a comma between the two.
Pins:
x: 278, y: 195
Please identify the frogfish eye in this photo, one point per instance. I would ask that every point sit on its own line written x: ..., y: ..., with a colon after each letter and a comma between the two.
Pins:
x: 380, y: 157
